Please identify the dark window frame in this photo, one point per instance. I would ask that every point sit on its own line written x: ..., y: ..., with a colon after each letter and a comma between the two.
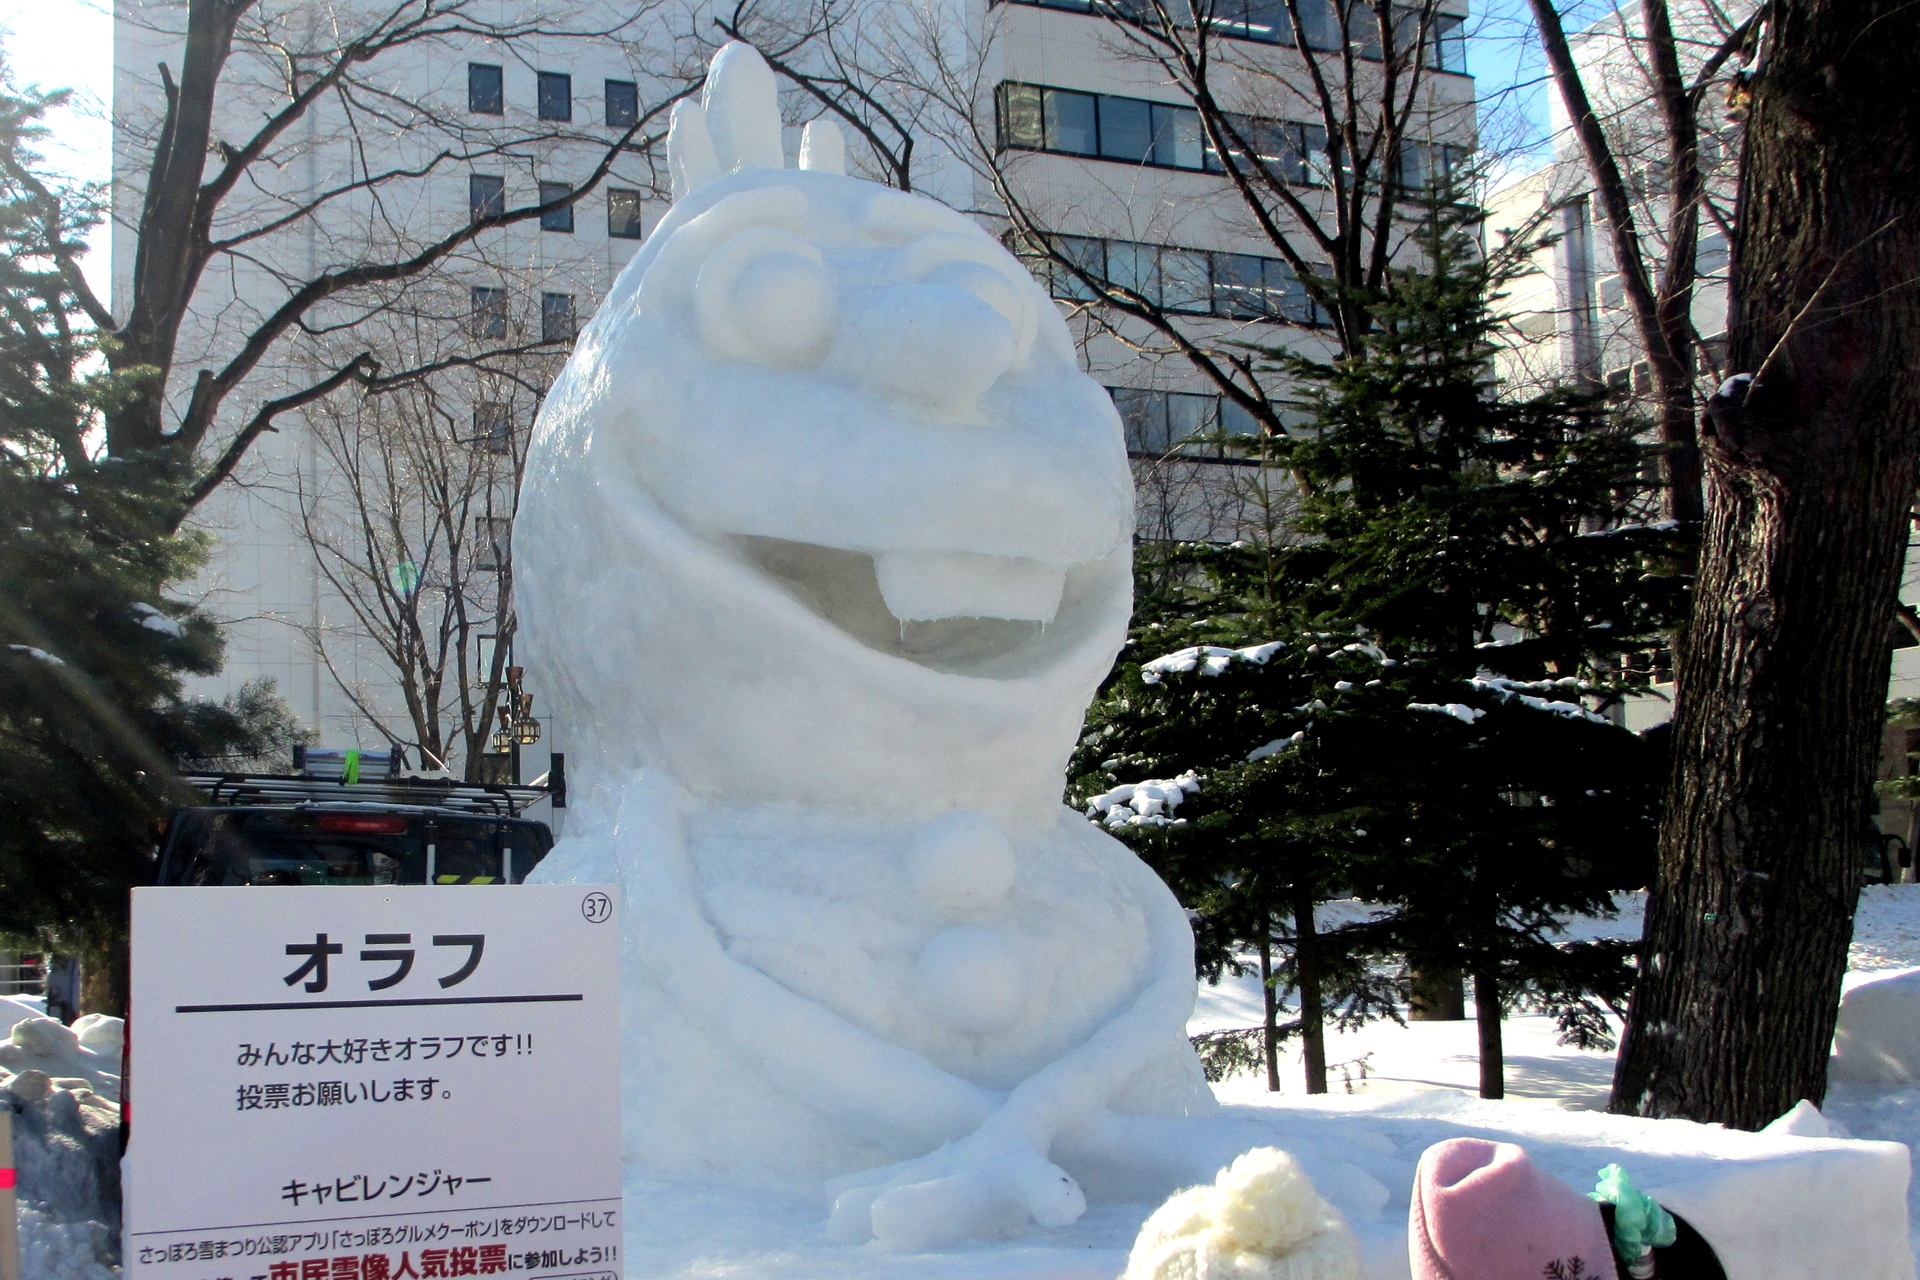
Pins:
x: 1158, y: 409
x: 490, y: 304
x: 1023, y: 111
x: 551, y: 311
x: 630, y: 91
x: 1283, y: 298
x: 493, y: 543
x: 486, y: 196
x: 480, y: 93
x: 1447, y: 35
x: 493, y: 426
x: 561, y: 219
x: 632, y: 228
x: 553, y: 96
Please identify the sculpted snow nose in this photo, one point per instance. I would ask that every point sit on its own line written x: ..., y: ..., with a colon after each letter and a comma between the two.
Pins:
x: 935, y: 344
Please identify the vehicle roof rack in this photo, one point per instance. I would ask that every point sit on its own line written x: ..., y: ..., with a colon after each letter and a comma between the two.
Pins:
x: 490, y: 798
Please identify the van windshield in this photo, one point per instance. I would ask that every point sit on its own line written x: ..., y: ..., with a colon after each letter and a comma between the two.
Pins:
x: 310, y: 847
x: 272, y: 849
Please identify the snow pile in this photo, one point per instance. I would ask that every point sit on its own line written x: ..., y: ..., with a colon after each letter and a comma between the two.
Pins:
x: 84, y: 1056
x: 66, y: 1144
x: 1144, y: 804
x: 15, y: 1011
x: 1208, y: 659
x: 1259, y: 1220
x: 1877, y: 1040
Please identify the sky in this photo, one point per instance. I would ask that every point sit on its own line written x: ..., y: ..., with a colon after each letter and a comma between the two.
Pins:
x: 56, y: 44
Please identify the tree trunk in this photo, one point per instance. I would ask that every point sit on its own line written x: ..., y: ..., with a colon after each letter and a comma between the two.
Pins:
x: 1783, y: 674
x: 1270, y: 1043
x: 103, y: 977
x: 1306, y: 964
x: 1493, y: 1057
x: 1436, y: 995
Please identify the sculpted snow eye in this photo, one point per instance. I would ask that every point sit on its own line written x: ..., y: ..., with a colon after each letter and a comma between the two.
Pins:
x: 765, y: 296
x: 932, y: 343
x: 979, y: 266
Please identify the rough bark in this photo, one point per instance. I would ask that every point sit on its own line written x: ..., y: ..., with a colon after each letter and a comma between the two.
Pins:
x: 1493, y: 1057
x: 1306, y: 964
x: 1436, y: 995
x: 103, y: 977
x: 1810, y: 470
x: 1270, y: 1041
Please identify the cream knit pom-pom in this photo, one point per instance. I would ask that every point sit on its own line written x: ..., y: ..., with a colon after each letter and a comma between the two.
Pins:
x: 1260, y: 1220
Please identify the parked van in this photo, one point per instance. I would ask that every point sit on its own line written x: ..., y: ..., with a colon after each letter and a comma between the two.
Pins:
x: 259, y: 829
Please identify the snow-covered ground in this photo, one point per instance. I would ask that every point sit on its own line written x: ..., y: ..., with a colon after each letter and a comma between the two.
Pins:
x: 1395, y: 1090
x: 1420, y: 1084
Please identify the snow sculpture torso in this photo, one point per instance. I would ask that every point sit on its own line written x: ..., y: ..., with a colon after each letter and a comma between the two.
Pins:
x: 823, y: 547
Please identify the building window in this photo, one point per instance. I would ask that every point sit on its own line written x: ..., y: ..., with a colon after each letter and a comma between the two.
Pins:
x: 492, y: 543
x: 556, y: 96
x: 1294, y: 153
x: 1232, y: 286
x: 1431, y: 166
x: 1158, y: 423
x: 623, y: 213
x: 1130, y: 130
x: 1137, y: 131
x: 1447, y: 46
x: 623, y: 104
x: 560, y: 219
x: 486, y: 196
x: 1268, y: 22
x: 489, y: 312
x: 1613, y: 294
x: 1246, y: 287
x: 556, y: 317
x: 484, y: 95
x: 493, y: 426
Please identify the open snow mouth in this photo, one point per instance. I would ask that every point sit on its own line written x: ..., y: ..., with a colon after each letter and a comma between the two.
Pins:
x: 951, y: 611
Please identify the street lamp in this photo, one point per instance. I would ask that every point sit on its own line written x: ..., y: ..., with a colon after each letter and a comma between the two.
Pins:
x: 517, y: 725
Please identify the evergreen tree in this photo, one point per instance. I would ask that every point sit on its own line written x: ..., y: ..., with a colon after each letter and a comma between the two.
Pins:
x: 1402, y: 699
x: 92, y: 648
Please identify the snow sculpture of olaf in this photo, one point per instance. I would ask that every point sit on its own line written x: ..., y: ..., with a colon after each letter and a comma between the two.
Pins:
x: 823, y: 547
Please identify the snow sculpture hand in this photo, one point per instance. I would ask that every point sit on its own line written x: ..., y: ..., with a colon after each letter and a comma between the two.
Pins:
x: 823, y: 547
x: 966, y: 1190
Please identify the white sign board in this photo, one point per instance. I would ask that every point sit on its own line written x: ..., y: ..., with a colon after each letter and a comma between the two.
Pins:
x: 374, y: 1083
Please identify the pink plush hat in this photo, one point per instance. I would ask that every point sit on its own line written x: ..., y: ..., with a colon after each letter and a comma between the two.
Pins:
x: 1485, y: 1211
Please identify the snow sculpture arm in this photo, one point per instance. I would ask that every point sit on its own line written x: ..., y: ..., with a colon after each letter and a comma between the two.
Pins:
x: 992, y: 1168
x: 1001, y: 1172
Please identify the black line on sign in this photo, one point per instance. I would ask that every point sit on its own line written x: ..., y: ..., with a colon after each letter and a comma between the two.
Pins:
x: 369, y: 1004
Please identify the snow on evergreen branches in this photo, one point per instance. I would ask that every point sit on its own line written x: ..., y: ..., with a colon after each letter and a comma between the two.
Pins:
x: 1208, y: 659
x: 1144, y: 804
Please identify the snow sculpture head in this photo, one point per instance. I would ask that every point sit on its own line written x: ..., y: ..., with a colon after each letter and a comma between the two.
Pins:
x: 822, y: 508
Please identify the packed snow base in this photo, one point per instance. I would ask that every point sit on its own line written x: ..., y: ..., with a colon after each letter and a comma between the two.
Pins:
x: 63, y: 1085
x: 1791, y: 1202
